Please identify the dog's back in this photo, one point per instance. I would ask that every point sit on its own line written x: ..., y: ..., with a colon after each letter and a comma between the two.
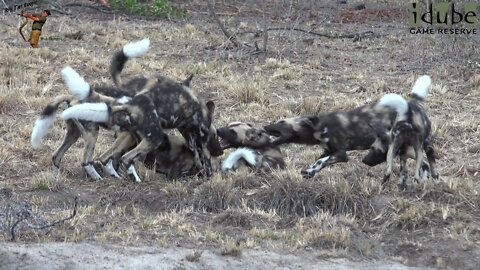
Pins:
x: 352, y: 129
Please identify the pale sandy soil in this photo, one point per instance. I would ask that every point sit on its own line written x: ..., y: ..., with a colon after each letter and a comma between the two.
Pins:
x: 98, y: 256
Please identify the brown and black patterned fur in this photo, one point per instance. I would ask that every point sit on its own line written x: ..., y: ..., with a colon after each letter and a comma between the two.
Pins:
x: 172, y: 158
x: 243, y: 135
x: 411, y: 138
x: 337, y: 132
x: 89, y: 130
x: 78, y: 128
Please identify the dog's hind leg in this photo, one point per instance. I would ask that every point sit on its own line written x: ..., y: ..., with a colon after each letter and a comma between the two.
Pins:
x: 90, y: 138
x: 428, y: 148
x: 324, y: 161
x: 122, y: 143
x: 142, y: 149
x: 419, y: 160
x: 402, y: 181
x: 392, y: 150
x: 424, y: 171
x: 71, y: 136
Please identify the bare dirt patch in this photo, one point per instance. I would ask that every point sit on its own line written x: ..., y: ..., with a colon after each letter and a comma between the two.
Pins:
x: 341, y: 215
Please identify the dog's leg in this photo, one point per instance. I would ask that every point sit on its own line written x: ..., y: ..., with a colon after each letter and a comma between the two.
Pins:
x: 72, y: 135
x: 205, y: 158
x: 142, y: 149
x: 402, y: 182
x: 90, y: 138
x: 424, y: 168
x: 324, y: 161
x: 419, y: 161
x: 123, y: 142
x: 428, y: 148
x: 392, y: 150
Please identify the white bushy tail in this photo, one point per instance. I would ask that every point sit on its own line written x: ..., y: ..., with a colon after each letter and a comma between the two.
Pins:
x: 137, y: 48
x: 94, y: 112
x: 396, y: 102
x: 421, y: 87
x: 245, y: 153
x: 75, y: 83
x: 41, y: 128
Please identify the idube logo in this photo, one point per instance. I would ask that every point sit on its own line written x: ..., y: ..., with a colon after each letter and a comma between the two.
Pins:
x: 444, y: 18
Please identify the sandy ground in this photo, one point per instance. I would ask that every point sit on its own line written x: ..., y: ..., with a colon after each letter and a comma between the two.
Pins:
x: 97, y: 256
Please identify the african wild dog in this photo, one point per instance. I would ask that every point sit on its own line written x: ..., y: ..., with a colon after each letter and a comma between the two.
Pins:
x: 254, y: 148
x: 294, y: 130
x: 162, y: 104
x: 87, y: 129
x: 172, y: 158
x: 411, y: 129
x: 337, y: 132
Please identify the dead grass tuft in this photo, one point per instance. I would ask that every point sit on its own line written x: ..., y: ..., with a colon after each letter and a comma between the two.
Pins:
x: 9, y: 102
x: 194, y: 257
x: 309, y: 106
x: 274, y: 63
x: 175, y: 195
x: 476, y: 80
x: 233, y: 218
x: 214, y: 195
x: 248, y: 90
x: 246, y: 180
x: 232, y: 248
x: 289, y: 195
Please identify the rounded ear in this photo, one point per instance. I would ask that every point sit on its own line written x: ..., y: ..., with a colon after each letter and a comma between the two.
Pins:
x: 188, y: 80
x: 210, y: 107
x: 313, y: 121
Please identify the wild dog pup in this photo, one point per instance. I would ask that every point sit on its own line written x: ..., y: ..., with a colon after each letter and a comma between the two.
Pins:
x: 86, y: 129
x: 162, y: 104
x: 411, y: 129
x: 254, y: 148
x: 337, y: 132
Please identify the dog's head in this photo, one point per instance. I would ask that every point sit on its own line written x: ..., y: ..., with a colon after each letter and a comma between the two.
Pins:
x: 238, y: 134
x: 378, y: 150
x: 286, y: 129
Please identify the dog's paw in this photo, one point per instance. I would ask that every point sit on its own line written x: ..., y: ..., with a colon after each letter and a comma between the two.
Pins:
x: 307, y: 174
x: 92, y: 173
x: 402, y: 186
x: 132, y: 174
x: 110, y: 170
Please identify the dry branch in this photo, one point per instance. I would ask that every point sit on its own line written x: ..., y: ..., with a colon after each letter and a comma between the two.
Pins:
x: 357, y: 35
x: 231, y: 37
x: 26, y: 213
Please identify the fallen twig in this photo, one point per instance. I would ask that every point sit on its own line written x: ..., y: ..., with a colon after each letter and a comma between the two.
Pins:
x: 327, y: 35
x: 27, y: 214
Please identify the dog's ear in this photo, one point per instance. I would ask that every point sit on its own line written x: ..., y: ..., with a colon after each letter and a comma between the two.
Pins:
x: 210, y: 110
x: 188, y: 80
x: 210, y: 107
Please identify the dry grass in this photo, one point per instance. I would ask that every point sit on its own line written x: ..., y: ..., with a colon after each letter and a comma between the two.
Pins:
x: 341, y: 212
x: 194, y: 257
